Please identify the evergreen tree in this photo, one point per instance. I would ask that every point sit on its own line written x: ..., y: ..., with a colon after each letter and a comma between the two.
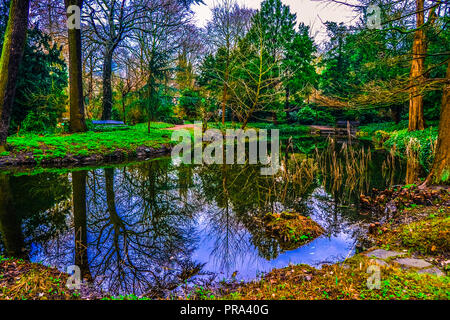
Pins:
x: 40, y: 93
x: 300, y: 74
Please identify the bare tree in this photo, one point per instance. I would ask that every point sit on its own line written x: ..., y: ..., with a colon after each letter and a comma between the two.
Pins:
x: 255, y: 83
x: 92, y: 61
x: 109, y: 24
x: 229, y: 23
x: 50, y: 17
x: 128, y: 78
x: 163, y: 33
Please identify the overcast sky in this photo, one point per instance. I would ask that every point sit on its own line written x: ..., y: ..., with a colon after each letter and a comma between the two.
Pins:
x: 309, y: 12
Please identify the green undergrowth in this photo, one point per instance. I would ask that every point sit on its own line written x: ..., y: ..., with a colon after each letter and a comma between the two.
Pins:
x: 391, y: 136
x: 370, y: 129
x: 428, y: 233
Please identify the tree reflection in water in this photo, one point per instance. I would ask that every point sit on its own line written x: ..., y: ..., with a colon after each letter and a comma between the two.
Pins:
x: 148, y: 227
x: 33, y: 209
x: 139, y: 226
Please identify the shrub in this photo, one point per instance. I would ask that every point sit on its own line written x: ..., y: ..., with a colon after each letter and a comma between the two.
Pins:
x: 45, y: 117
x: 307, y: 115
x: 40, y: 91
x: 389, y: 134
x: 190, y: 103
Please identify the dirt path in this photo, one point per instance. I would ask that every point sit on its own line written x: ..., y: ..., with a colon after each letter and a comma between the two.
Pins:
x: 181, y: 126
x: 321, y: 127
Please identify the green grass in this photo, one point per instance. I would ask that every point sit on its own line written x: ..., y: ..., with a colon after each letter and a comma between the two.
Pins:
x: 371, y: 128
x: 89, y: 143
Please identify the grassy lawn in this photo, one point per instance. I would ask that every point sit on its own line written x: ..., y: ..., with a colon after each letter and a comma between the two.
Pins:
x: 88, y: 143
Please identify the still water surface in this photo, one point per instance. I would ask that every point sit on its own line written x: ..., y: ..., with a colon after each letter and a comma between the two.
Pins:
x: 145, y: 227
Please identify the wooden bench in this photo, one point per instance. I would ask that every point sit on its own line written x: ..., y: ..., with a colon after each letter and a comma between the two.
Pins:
x: 346, y: 127
x: 345, y: 123
x: 341, y: 129
x: 102, y: 124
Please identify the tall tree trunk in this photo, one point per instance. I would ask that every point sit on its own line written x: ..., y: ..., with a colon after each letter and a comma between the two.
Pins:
x: 77, y: 118
x: 12, y: 52
x: 107, y: 91
x: 440, y: 171
x: 80, y: 222
x: 417, y: 76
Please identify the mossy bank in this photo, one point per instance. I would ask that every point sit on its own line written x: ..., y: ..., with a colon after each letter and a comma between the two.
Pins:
x: 92, y: 147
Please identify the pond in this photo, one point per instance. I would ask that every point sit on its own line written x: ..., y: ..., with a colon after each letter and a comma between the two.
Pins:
x: 147, y: 227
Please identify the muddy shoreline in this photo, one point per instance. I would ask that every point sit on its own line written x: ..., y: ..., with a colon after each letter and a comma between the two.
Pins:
x: 28, y: 160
